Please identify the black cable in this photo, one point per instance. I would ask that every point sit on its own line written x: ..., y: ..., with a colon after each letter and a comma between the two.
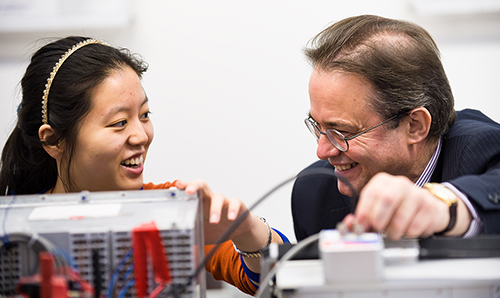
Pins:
x: 177, y: 290
x: 96, y: 272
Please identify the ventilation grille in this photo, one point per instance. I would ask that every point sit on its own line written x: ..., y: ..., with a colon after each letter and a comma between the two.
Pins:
x: 103, y: 257
x: 90, y: 254
x: 10, y: 269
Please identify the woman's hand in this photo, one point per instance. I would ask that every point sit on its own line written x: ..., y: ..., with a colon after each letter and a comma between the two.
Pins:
x: 219, y: 212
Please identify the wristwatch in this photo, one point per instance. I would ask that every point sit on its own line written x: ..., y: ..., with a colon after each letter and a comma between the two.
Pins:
x: 257, y: 254
x: 449, y: 197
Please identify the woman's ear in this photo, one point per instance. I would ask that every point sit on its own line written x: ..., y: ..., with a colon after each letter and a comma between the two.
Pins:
x: 47, y: 134
x: 419, y: 125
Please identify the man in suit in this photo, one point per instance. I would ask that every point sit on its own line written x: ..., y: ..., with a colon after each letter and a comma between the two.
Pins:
x: 382, y: 112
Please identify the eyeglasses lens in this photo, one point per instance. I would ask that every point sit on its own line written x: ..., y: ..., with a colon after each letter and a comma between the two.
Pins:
x: 337, y: 139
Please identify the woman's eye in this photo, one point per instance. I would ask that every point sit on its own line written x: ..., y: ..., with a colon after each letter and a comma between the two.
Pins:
x: 120, y: 124
x: 146, y: 115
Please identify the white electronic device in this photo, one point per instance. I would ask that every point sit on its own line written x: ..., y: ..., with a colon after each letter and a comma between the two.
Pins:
x: 92, y: 233
x: 356, y: 265
x: 341, y: 252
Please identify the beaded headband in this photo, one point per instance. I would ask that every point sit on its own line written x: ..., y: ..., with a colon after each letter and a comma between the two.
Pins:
x: 50, y: 79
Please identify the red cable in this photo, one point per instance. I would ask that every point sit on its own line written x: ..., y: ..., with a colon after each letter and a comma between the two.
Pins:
x: 146, y: 241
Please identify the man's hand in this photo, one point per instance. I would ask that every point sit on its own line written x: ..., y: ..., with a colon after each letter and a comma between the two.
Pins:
x: 394, y: 205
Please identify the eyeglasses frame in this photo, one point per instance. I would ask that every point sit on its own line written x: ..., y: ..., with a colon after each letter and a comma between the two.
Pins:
x: 311, y: 123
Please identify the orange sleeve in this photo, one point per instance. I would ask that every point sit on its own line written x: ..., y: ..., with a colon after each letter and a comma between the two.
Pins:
x: 225, y: 265
x: 165, y: 185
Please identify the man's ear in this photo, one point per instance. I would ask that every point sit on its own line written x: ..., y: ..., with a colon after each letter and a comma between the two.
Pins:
x: 47, y: 135
x: 420, y: 120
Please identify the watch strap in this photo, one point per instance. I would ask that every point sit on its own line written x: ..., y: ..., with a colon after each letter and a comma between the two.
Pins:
x: 256, y: 254
x: 431, y: 187
x: 452, y: 222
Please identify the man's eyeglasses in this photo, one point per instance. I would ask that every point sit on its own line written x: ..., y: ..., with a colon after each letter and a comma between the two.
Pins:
x: 335, y: 137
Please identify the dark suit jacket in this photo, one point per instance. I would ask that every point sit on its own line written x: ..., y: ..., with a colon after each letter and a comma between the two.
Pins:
x: 469, y: 159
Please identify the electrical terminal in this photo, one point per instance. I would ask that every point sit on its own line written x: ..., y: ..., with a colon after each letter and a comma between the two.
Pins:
x: 341, y: 250
x: 357, y: 229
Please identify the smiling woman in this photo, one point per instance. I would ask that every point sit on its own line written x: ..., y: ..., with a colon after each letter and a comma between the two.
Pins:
x: 83, y: 124
x: 57, y: 90
x: 113, y: 139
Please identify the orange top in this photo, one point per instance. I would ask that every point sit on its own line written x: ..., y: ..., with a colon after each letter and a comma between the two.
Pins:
x: 225, y: 264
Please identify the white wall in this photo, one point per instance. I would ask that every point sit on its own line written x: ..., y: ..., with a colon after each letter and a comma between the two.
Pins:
x: 228, y: 83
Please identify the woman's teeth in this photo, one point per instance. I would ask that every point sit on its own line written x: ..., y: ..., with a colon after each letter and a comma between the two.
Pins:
x: 345, y: 167
x: 133, y: 162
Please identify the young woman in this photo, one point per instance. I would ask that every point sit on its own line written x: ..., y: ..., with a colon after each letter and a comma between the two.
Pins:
x: 83, y: 124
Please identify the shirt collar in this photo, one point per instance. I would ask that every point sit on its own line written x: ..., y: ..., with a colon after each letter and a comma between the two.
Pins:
x: 431, y: 166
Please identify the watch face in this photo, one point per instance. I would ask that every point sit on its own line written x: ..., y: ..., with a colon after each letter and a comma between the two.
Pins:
x: 442, y: 192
